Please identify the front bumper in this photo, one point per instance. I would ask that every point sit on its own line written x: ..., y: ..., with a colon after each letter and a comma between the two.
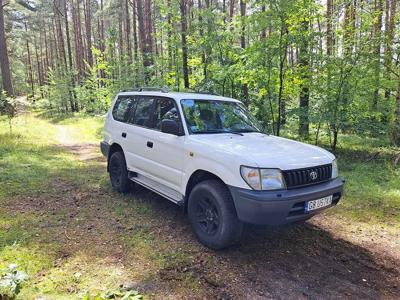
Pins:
x: 105, y: 148
x: 284, y: 206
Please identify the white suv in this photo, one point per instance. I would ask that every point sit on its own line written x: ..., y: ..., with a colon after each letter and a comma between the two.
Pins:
x: 207, y: 154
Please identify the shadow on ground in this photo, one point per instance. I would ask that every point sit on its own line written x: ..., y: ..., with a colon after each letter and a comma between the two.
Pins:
x: 286, y: 262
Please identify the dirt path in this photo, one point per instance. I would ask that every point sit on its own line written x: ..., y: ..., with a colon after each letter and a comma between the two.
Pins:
x: 148, y: 242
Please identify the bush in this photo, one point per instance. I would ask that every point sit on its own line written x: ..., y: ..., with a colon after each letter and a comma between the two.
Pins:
x: 11, y: 281
x: 7, y: 107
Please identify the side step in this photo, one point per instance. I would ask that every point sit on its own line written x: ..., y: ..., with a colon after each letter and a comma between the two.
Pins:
x: 157, y: 187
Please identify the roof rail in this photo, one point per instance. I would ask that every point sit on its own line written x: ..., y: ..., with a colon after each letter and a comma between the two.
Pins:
x: 205, y: 92
x: 147, y: 89
x: 208, y: 93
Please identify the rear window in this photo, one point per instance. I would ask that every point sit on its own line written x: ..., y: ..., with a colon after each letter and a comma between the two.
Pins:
x: 122, y: 108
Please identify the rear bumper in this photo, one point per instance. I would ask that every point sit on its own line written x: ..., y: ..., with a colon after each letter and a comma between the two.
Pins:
x: 284, y: 206
x: 105, y: 148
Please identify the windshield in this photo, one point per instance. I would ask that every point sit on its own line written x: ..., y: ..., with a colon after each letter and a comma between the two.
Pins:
x: 211, y: 116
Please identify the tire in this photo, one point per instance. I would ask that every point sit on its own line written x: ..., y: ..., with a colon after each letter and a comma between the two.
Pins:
x: 212, y: 215
x: 119, y: 173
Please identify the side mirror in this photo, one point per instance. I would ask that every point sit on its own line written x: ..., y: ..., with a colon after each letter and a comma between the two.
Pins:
x: 171, y: 127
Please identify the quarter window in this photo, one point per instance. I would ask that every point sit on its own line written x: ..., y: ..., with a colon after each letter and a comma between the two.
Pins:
x: 122, y: 108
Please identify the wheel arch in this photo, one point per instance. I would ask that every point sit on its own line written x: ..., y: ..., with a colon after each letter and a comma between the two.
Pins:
x: 197, y: 177
x: 115, y: 147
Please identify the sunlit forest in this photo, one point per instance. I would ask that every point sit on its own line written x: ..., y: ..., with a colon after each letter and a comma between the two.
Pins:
x: 323, y: 72
x: 314, y: 68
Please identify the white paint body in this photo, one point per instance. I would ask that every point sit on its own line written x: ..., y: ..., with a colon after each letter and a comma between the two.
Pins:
x: 173, y: 159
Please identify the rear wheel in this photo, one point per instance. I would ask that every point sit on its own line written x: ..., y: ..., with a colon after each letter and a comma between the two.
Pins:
x: 119, y: 173
x: 213, y: 216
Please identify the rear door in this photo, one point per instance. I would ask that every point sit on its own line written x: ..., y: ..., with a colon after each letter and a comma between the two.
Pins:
x: 137, y: 130
x: 121, y: 112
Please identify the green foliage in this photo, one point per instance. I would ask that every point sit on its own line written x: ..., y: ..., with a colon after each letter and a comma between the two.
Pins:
x: 94, y: 93
x: 11, y: 281
x: 58, y: 91
x: 115, y: 294
x: 7, y: 108
x: 352, y: 89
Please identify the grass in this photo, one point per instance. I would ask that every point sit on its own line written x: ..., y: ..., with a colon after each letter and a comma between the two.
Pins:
x: 30, y: 161
x: 372, y: 191
x: 33, y: 165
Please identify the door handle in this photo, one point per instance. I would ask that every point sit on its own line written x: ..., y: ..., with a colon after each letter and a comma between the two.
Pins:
x: 124, y: 134
x: 150, y: 144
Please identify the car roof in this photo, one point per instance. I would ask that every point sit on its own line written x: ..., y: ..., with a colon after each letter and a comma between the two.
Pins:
x: 179, y: 96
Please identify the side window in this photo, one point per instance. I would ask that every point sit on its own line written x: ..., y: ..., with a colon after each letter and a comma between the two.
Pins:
x: 143, y: 112
x: 122, y: 108
x: 164, y: 109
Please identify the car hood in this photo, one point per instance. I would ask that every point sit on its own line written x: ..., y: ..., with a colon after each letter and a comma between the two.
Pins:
x: 266, y: 151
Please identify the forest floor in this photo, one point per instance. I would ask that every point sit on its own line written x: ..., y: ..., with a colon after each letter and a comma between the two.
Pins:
x: 63, y: 225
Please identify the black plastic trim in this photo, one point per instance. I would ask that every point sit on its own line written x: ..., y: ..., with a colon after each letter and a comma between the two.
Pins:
x: 105, y: 148
x: 274, y: 207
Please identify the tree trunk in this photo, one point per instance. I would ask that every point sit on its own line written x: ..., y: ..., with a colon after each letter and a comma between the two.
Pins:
x: 29, y: 60
x: 349, y: 26
x: 46, y: 47
x: 283, y: 45
x: 389, y: 36
x: 396, y: 129
x: 4, y: 61
x: 245, y: 88
x: 60, y: 35
x: 201, y: 33
x: 120, y: 31
x: 304, y: 63
x: 135, y: 39
x: 77, y: 38
x: 145, y: 36
x: 231, y: 9
x: 263, y: 34
x: 171, y: 52
x: 183, y: 6
x: 102, y: 40
x: 128, y: 32
x: 38, y: 67
x: 88, y: 31
x: 330, y: 37
x: 73, y: 104
x: 377, y: 45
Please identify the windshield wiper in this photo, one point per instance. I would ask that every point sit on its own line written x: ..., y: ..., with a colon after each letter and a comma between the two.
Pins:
x: 217, y: 131
x: 248, y: 130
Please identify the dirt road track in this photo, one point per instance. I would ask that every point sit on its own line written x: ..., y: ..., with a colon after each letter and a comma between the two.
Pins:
x: 295, y: 262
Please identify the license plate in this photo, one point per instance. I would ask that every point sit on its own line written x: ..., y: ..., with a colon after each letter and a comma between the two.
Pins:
x: 319, y: 203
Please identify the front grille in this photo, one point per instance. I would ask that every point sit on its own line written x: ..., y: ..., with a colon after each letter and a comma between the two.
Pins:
x: 302, y: 177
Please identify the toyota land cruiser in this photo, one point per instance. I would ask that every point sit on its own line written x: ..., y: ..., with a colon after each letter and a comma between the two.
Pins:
x: 208, y: 154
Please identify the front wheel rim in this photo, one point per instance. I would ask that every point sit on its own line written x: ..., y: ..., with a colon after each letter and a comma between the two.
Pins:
x: 207, y: 216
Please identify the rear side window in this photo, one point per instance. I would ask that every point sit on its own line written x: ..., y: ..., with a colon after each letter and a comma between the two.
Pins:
x: 143, y: 112
x: 122, y: 108
x: 165, y: 109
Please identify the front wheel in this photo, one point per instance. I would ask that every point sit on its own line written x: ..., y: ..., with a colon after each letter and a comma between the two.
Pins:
x: 213, y: 216
x: 119, y: 173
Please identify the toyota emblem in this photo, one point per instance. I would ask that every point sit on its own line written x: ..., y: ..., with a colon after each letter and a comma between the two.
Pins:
x: 313, y: 175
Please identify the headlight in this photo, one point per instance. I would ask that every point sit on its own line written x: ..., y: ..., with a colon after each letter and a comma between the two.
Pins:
x: 263, y: 179
x: 335, y: 170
